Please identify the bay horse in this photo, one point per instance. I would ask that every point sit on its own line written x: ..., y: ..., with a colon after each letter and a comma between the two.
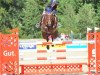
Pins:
x: 48, y: 25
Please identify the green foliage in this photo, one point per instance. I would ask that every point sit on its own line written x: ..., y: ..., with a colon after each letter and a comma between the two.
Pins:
x: 30, y: 17
x: 6, y: 31
x: 73, y: 15
x: 6, y: 1
x: 86, y: 18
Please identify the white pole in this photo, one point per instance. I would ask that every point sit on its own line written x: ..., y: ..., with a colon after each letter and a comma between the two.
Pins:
x: 88, y: 29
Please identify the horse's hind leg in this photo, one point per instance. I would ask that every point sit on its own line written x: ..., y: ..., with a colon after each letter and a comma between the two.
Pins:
x: 52, y: 45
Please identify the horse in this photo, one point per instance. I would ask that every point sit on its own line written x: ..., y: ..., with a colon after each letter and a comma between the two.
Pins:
x: 48, y: 25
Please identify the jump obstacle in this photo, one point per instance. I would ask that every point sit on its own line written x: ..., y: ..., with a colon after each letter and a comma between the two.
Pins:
x: 9, y: 55
x: 9, y: 58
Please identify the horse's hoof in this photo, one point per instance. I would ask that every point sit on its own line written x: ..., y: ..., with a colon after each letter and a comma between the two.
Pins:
x: 48, y: 47
x: 52, y: 45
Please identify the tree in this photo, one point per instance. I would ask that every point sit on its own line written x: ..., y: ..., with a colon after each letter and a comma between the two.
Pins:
x: 86, y: 18
x: 68, y: 18
x: 10, y: 10
x: 30, y: 17
x: 75, y: 15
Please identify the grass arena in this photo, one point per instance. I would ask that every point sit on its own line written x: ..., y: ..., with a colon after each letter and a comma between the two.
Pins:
x: 31, y: 57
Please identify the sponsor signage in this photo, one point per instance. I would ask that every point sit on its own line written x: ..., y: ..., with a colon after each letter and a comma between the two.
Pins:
x: 56, y: 46
x: 27, y: 46
x: 68, y: 46
x: 8, y: 53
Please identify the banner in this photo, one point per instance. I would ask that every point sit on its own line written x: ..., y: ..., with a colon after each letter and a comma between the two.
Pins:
x: 76, y: 46
x: 27, y: 45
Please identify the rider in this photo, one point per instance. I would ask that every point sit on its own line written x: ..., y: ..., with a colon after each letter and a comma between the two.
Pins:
x: 51, y: 7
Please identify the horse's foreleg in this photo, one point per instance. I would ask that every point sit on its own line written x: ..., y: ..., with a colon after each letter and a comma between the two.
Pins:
x: 47, y: 39
x: 52, y: 41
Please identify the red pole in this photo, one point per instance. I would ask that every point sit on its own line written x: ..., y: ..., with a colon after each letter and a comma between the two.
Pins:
x: 0, y: 54
x: 22, y: 69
